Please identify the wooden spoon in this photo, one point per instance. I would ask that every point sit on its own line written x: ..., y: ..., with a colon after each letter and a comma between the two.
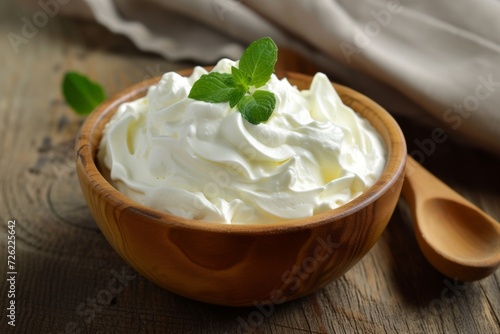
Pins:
x: 456, y: 237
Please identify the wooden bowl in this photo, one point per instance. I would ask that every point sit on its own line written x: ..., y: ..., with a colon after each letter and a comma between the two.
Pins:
x: 242, y: 265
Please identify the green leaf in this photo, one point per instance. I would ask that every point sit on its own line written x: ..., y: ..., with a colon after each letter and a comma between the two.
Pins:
x: 216, y: 87
x: 82, y: 94
x: 241, y: 79
x: 257, y: 107
x: 258, y: 61
x: 236, y: 96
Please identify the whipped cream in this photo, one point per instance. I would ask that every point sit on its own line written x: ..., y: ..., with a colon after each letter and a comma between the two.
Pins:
x: 204, y: 161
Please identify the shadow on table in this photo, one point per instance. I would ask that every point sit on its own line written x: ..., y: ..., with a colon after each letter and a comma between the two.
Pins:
x: 419, y: 284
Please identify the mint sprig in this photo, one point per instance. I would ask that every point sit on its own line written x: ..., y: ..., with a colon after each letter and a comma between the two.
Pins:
x: 255, y: 69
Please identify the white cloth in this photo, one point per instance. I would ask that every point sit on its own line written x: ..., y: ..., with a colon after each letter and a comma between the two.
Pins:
x: 436, y: 61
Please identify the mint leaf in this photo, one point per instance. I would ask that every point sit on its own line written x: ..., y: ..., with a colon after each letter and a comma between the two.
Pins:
x: 216, y: 87
x: 236, y: 97
x: 241, y: 79
x: 258, y: 61
x: 82, y: 94
x: 257, y: 107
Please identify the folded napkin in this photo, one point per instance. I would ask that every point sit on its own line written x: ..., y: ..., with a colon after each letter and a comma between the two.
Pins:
x: 435, y: 61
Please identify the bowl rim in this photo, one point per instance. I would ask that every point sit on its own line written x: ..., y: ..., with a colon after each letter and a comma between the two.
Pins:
x: 86, y: 147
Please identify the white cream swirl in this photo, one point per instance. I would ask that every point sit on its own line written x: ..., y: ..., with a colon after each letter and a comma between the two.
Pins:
x: 204, y: 161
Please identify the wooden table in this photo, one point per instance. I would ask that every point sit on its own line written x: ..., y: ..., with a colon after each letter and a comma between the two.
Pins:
x: 69, y: 280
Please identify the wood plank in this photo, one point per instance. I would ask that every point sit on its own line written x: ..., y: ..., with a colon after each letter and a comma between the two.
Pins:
x: 67, y: 270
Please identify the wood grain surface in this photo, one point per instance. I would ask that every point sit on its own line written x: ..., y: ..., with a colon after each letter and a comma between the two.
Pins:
x: 69, y: 279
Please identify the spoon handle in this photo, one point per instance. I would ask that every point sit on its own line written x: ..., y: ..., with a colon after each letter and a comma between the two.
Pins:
x: 420, y: 185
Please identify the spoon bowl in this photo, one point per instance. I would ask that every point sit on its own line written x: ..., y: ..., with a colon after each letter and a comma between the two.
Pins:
x: 457, y: 238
